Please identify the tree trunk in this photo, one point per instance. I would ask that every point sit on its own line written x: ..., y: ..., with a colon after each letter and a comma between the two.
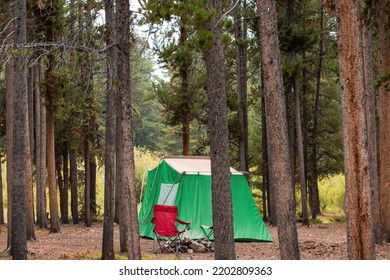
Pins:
x: 41, y: 216
x: 357, y: 198
x: 51, y: 97
x: 53, y: 204
x: 129, y: 212
x: 65, y: 189
x: 384, y: 114
x: 264, y: 165
x: 41, y: 148
x: 20, y: 152
x: 219, y: 141
x: 268, y: 205
x: 30, y: 221
x: 109, y: 159
x: 278, y: 141
x: 242, y: 103
x: 305, y: 117
x: 1, y: 192
x: 314, y: 199
x: 370, y: 111
x: 301, y: 157
x: 92, y: 167
x: 87, y: 186
x: 60, y: 181
x: 9, y: 76
x: 73, y: 186
x: 187, y: 104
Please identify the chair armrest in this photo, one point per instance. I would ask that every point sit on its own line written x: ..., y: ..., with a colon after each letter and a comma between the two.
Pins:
x: 182, y: 222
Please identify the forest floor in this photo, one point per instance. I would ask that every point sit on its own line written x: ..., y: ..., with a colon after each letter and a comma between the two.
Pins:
x: 76, y: 242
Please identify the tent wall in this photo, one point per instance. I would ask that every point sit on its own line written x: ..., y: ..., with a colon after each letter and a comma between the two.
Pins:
x: 194, y: 203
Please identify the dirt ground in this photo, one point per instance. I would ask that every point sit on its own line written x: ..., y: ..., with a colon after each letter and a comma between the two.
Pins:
x: 317, y: 242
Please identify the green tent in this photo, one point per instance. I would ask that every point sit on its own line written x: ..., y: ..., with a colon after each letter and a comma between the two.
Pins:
x: 186, y: 183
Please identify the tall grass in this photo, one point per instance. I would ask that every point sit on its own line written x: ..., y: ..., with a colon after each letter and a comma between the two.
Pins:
x: 332, y: 191
x: 144, y: 160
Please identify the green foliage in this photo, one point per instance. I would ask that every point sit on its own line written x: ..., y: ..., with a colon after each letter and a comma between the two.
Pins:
x: 331, y: 191
x: 296, y: 38
x: 144, y: 161
x: 258, y: 196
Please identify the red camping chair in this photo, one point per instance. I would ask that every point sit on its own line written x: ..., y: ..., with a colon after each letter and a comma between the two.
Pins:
x: 168, y: 236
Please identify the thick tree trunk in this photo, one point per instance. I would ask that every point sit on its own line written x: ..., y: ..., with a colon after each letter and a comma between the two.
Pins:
x: 129, y: 213
x: 20, y: 139
x: 357, y: 198
x: 384, y: 114
x: 370, y: 111
x: 109, y: 159
x: 219, y: 141
x: 51, y: 96
x: 278, y: 141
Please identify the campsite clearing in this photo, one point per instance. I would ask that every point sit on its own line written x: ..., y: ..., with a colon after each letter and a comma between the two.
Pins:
x: 317, y: 242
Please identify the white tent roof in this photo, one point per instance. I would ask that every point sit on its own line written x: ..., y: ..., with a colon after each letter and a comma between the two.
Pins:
x: 192, y: 164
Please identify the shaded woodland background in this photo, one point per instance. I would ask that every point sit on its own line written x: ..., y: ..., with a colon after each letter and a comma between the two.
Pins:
x: 106, y: 89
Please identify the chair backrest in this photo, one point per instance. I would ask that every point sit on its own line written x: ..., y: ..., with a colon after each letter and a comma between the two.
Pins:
x: 164, y: 220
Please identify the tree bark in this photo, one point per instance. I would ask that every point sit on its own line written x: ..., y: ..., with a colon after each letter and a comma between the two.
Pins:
x: 357, y: 198
x: 39, y: 197
x: 73, y: 186
x: 30, y: 221
x: 108, y: 252
x: 53, y: 204
x: 314, y: 199
x: 1, y: 192
x: 383, y: 65
x: 65, y: 189
x: 40, y: 113
x: 87, y: 186
x: 370, y: 111
x: 278, y: 141
x: 301, y: 157
x: 51, y: 98
x: 219, y: 140
x: 186, y: 106
x: 20, y: 139
x: 92, y: 165
x: 242, y: 102
x: 129, y: 213
x: 9, y: 76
